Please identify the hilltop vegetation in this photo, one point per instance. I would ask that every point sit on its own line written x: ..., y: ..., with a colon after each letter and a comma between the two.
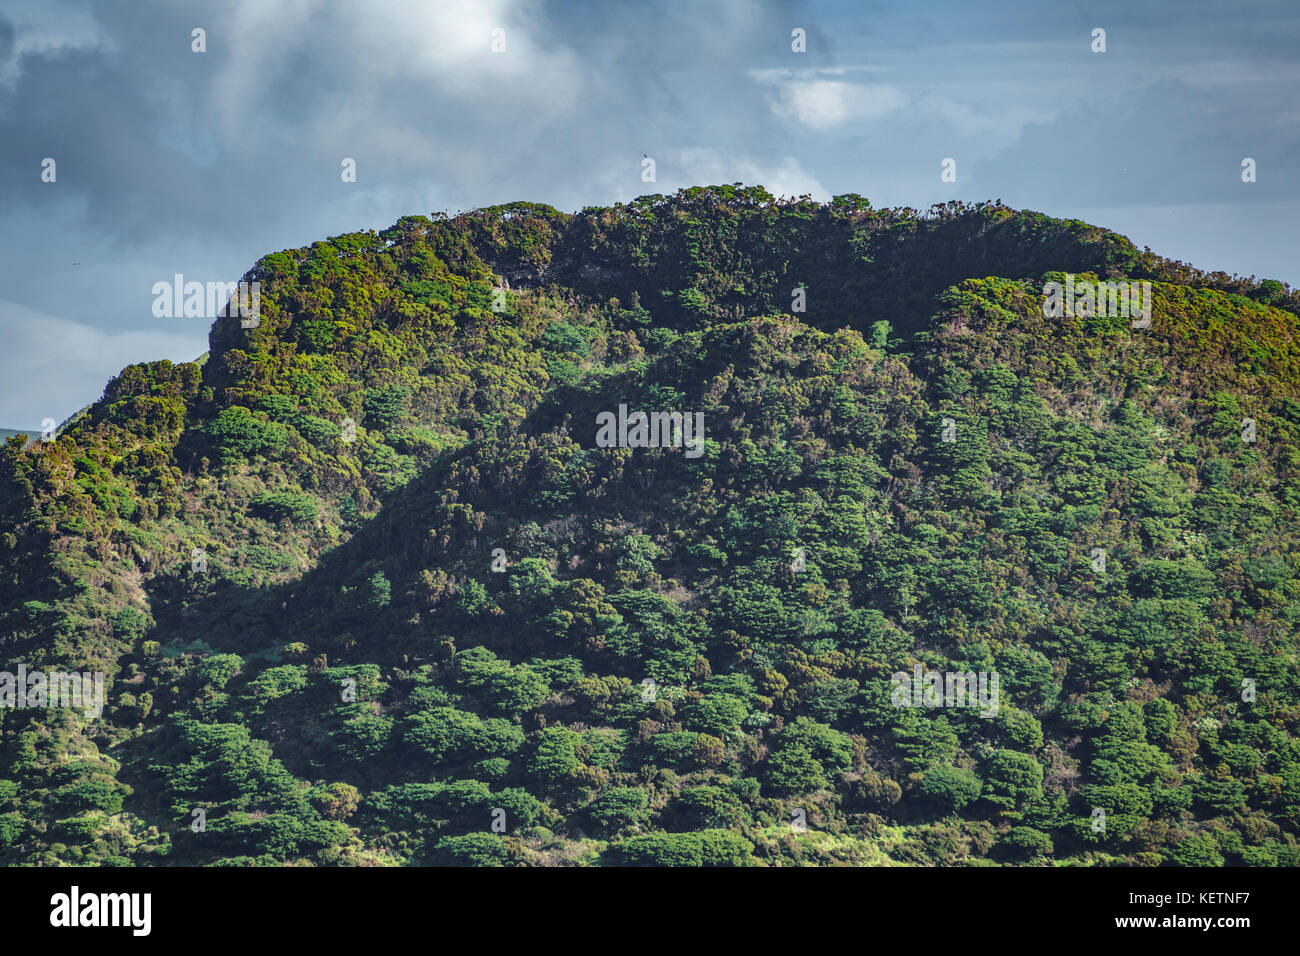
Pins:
x: 364, y: 585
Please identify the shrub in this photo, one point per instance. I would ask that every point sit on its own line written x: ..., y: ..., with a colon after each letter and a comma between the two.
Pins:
x: 704, y: 848
x: 239, y: 435
x: 285, y: 505
x: 1025, y: 842
x: 471, y: 849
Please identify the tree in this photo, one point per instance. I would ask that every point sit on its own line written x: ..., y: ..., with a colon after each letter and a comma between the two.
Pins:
x: 387, y: 405
x: 1197, y: 849
x: 336, y: 801
x: 555, y: 759
x: 950, y: 788
x: 793, y: 769
x: 286, y: 506
x: 442, y: 733
x: 217, y: 670
x: 239, y: 435
x: 620, y: 807
x: 1011, y: 779
x: 1025, y: 842
x: 710, y: 807
x: 705, y: 848
x: 472, y: 849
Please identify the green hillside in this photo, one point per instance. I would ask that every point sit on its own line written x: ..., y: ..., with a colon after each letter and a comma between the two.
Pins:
x: 367, y: 590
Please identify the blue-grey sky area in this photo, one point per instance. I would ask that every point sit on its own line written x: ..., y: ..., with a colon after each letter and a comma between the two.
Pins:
x: 172, y: 161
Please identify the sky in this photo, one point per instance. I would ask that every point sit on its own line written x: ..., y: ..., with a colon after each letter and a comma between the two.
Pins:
x: 168, y: 160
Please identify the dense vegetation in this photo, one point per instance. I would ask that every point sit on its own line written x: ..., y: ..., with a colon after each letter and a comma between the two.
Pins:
x: 367, y: 592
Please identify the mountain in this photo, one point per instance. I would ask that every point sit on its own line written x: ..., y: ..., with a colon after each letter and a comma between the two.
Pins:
x: 391, y: 579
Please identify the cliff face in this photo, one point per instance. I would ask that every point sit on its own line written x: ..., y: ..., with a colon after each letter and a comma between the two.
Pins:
x: 372, y: 585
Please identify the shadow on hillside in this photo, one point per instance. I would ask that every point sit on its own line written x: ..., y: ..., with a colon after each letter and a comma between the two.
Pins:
x: 314, y: 609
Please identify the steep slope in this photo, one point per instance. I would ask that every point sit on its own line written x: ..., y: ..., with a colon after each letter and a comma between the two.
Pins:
x: 365, y: 583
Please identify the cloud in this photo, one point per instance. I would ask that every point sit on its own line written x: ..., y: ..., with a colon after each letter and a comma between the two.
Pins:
x: 63, y: 366
x: 255, y: 128
x: 682, y: 168
x: 784, y: 177
x: 1165, y: 145
x: 822, y: 104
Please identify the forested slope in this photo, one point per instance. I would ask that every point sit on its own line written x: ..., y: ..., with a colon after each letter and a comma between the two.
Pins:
x: 434, y: 622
